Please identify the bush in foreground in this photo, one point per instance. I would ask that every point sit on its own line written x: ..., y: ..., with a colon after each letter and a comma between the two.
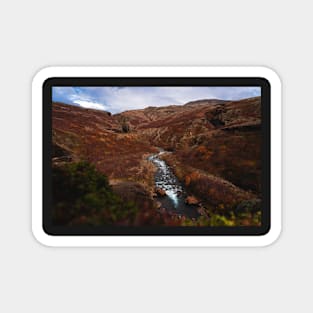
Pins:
x: 81, y: 195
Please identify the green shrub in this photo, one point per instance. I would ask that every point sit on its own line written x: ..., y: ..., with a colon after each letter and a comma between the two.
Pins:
x: 81, y: 195
x: 221, y: 220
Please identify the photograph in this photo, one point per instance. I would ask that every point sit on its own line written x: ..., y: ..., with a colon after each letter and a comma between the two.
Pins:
x: 156, y: 156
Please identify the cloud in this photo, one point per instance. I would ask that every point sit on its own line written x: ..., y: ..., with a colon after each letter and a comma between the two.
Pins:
x: 118, y: 99
x: 90, y: 104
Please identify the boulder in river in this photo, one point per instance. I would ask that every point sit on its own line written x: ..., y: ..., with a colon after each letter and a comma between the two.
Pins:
x: 191, y: 200
x: 160, y: 192
x: 158, y: 204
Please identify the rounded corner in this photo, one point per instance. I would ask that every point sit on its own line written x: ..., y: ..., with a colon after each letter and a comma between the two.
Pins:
x: 42, y: 235
x: 42, y: 75
x: 271, y: 75
x: 271, y: 237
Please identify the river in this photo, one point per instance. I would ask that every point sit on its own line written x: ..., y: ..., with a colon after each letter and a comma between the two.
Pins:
x: 174, y: 201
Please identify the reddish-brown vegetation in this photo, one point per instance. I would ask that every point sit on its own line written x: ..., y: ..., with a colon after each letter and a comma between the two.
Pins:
x: 216, y: 149
x: 97, y: 137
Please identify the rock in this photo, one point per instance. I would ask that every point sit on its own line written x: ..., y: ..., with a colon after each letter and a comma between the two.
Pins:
x: 158, y: 205
x: 160, y: 192
x: 191, y: 200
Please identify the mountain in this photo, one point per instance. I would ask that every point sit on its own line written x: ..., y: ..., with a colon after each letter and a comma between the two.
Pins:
x: 213, y: 148
x: 152, y: 116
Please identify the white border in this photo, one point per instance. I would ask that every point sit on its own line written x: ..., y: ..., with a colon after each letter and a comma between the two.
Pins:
x: 156, y: 241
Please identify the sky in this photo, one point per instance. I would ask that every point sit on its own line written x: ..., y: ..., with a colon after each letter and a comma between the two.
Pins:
x: 119, y: 99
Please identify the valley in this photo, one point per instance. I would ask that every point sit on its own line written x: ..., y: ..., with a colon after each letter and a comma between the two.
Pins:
x: 197, y: 164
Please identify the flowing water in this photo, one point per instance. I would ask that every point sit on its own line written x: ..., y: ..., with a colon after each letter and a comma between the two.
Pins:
x: 174, y: 201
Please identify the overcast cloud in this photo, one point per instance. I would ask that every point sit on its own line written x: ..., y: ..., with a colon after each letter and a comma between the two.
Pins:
x: 118, y: 99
